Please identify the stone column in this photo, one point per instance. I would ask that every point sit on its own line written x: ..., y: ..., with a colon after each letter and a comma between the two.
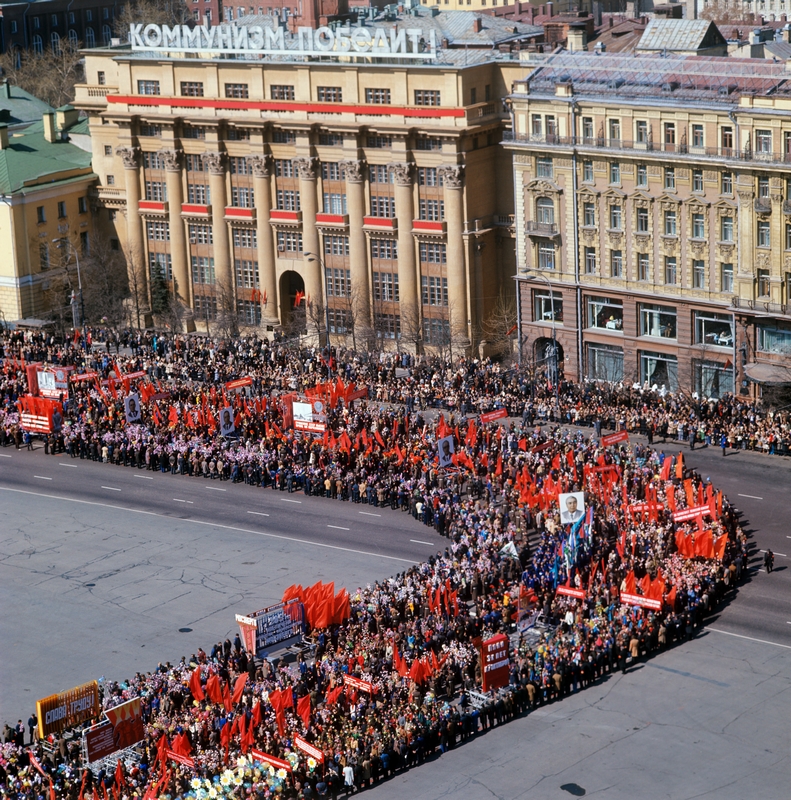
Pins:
x: 215, y: 161
x: 407, y: 268
x: 262, y: 172
x: 311, y: 272
x: 453, y: 179
x: 136, y: 254
x: 354, y: 171
x: 178, y: 239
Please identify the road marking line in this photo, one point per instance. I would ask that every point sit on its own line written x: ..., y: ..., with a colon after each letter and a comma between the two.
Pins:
x: 143, y: 477
x: 369, y: 514
x: 210, y: 524
x: 777, y: 554
x: 420, y: 541
x: 751, y: 496
x: 4, y: 455
x: 61, y: 464
x: 258, y: 513
x: 42, y: 478
x: 286, y: 500
x: 215, y: 488
x: 338, y: 527
x: 750, y: 638
x: 111, y: 488
x: 184, y: 501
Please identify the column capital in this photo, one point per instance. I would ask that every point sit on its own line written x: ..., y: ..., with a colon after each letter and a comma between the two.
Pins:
x: 261, y: 165
x: 128, y: 156
x: 307, y: 167
x: 452, y: 175
x: 354, y: 170
x: 403, y: 172
x: 172, y: 159
x: 214, y: 160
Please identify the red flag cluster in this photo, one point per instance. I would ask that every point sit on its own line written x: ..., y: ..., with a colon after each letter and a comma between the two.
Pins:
x: 322, y: 606
x: 701, y: 544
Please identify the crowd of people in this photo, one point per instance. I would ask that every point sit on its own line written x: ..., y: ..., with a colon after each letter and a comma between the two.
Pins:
x: 511, y: 564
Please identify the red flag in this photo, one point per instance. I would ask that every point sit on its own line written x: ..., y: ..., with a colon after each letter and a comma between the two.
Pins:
x: 298, y: 298
x: 303, y: 709
x: 195, y: 686
x: 213, y: 689
x: 226, y: 697
x: 51, y: 790
x: 119, y: 774
x: 173, y: 416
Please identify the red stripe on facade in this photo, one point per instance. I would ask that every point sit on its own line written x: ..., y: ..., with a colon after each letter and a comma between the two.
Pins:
x: 150, y: 205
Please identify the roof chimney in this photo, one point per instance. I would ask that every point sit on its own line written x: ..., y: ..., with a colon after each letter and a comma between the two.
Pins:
x: 66, y: 116
x: 3, y: 136
x: 5, y: 90
x: 49, y: 126
x: 577, y: 40
x: 477, y: 25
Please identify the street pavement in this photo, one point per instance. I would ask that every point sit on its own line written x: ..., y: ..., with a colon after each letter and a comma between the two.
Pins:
x: 101, y: 569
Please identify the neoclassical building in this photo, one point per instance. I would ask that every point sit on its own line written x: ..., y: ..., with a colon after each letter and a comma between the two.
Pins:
x: 376, y: 183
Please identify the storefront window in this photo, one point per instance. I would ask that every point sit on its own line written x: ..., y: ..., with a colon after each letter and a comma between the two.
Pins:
x: 543, y: 307
x: 658, y: 321
x: 604, y: 312
x: 712, y: 328
x: 658, y: 369
x: 605, y: 363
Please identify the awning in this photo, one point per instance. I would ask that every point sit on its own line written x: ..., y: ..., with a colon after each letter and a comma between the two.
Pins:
x: 768, y: 373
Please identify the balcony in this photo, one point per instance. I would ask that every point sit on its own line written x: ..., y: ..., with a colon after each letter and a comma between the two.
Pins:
x: 429, y: 226
x: 504, y: 220
x: 278, y: 215
x: 381, y: 223
x: 762, y: 205
x: 234, y: 212
x: 195, y: 210
x: 481, y: 110
x: 333, y: 220
x: 152, y: 207
x: 542, y: 229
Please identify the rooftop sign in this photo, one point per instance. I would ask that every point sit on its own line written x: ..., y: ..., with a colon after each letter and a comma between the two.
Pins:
x: 407, y: 43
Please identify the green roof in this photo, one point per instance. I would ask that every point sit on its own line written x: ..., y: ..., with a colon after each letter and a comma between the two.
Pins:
x: 20, y: 107
x: 31, y: 160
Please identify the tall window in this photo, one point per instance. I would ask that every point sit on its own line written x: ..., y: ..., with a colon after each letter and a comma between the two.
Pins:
x: 643, y: 267
x: 246, y: 273
x: 203, y: 269
x: 670, y: 271
x: 697, y: 180
x: 670, y: 223
x: 386, y: 286
x: 545, y: 211
x: 726, y: 229
x: 727, y: 183
x: 434, y: 290
x: 763, y: 283
x: 589, y: 215
x: 546, y: 255
x: 642, y: 220
x: 764, y: 234
x: 642, y: 176
x: 544, y: 167
x: 763, y: 141
x: 616, y: 263
x: 615, y: 172
x: 698, y: 227
x: 726, y: 277
x: 697, y: 136
x: 590, y: 260
x: 670, y: 178
x: 641, y: 132
x: 587, y: 172
x: 615, y: 132
x: 698, y: 274
x: 338, y: 282
x: 616, y: 218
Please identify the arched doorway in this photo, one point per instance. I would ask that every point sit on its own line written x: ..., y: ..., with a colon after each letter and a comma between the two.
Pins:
x: 548, y: 359
x: 292, y: 317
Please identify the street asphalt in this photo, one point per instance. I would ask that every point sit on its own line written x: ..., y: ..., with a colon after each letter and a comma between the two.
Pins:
x: 109, y: 570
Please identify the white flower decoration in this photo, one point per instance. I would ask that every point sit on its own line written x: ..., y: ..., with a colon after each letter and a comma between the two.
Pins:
x: 282, y: 774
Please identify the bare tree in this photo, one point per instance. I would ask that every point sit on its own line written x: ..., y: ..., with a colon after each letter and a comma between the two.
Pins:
x: 49, y: 75
x: 227, y: 315
x: 499, y: 328
x: 138, y: 284
x: 724, y: 11
x: 105, y: 283
x: 411, y: 325
x: 158, y: 12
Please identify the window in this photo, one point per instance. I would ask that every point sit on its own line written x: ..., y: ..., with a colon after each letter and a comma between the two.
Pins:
x: 191, y: 89
x: 616, y: 263
x: 545, y: 211
x: 193, y: 132
x: 697, y: 180
x: 726, y: 139
x: 616, y: 218
x: 108, y: 150
x: 432, y: 210
x: 670, y: 136
x: 284, y: 137
x: 287, y: 200
x: 698, y: 274
x: 536, y: 125
x: 774, y: 340
x: 338, y: 280
x: 289, y: 242
x: 551, y: 128
x: 386, y: 249
x: 13, y: 26
x: 379, y: 142
x: 659, y: 321
x: 763, y: 188
x: 386, y: 287
x: 336, y: 245
x: 670, y: 271
x: 544, y: 309
x: 726, y: 229
x: 546, y: 255
x: 334, y: 203
x: 89, y: 15
x: 194, y: 162
x: 148, y: 87
x: 238, y: 91
x: 202, y: 269
x: 590, y: 260
x: 670, y: 178
x: 670, y: 223
x: 246, y: 273
x: 544, y: 167
x: 587, y: 130
x: 605, y: 362
x: 763, y: 141
x: 279, y: 92
x: 589, y: 215
x: 248, y: 312
x: 238, y: 165
x: 43, y: 255
x: 340, y: 320
x: 82, y: 205
x: 201, y: 234
x: 198, y: 193
x: 426, y: 97
x: 151, y: 130
x: 41, y: 216
x: 764, y: 234
x: 713, y: 328
x: 85, y: 244
x: 606, y: 313
x: 615, y: 172
x: 711, y: 379
x: 698, y: 226
x: 382, y: 206
x: 697, y: 136
x: 158, y: 231
x: 284, y: 168
x: 436, y: 331
x: 331, y: 171
x: 427, y: 176
x: 587, y: 172
x: 727, y: 183
x: 726, y: 277
x: 331, y: 139
x: 615, y: 132
x: 642, y: 220
x: 206, y: 307
x: 329, y: 94
x: 658, y: 369
x: 100, y: 77
x: 643, y: 268
x: 641, y: 132
x: 380, y: 97
x: 38, y: 43
x: 788, y: 236
x: 427, y: 143
x: 61, y: 209
x: 431, y: 253
x: 642, y: 176
x: 763, y: 283
x: 434, y: 291
x: 245, y: 237
x: 54, y: 42
x: 111, y: 180
x: 241, y: 197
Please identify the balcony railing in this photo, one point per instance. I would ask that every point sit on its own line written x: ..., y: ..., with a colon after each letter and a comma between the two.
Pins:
x: 534, y: 228
x: 607, y: 143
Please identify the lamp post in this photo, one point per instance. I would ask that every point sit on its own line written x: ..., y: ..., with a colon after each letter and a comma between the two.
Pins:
x: 314, y: 257
x: 554, y: 361
x: 59, y: 243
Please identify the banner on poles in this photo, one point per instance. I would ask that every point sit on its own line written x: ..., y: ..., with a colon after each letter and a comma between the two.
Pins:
x: 356, y: 683
x: 639, y: 600
x: 495, y: 661
x: 309, y: 749
x: 60, y: 711
x: 239, y: 383
x: 491, y: 416
x: 687, y: 514
x: 265, y: 758
x: 614, y: 438
x: 569, y: 592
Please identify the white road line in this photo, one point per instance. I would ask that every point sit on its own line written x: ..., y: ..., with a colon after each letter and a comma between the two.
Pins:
x: 209, y: 524
x: 751, y: 496
x: 143, y: 477
x: 750, y: 638
x: 258, y: 513
x: 777, y: 554
x: 215, y: 488
x: 61, y: 464
x: 42, y: 478
x: 338, y: 527
x: 286, y: 500
x: 4, y: 455
x: 369, y: 514
x: 111, y: 488
x: 420, y: 541
x: 184, y: 501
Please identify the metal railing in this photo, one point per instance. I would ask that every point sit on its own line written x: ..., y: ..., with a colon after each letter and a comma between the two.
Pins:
x: 541, y: 228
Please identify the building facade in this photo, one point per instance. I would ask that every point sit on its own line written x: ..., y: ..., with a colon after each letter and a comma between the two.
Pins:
x: 653, y: 216
x: 378, y: 185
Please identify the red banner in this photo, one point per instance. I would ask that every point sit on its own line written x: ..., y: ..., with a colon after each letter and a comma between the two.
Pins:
x: 186, y: 760
x: 356, y: 683
x: 311, y: 427
x: 127, y: 722
x: 141, y: 373
x: 491, y: 416
x: 614, y: 438
x: 687, y: 514
x: 309, y: 749
x: 495, y: 661
x: 85, y: 376
x: 569, y: 592
x: 639, y: 600
x: 239, y: 383
x: 265, y: 758
x: 539, y: 448
x: 357, y: 395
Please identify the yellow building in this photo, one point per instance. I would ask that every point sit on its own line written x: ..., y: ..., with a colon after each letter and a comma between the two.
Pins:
x: 654, y: 218
x: 45, y: 185
x: 245, y: 175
